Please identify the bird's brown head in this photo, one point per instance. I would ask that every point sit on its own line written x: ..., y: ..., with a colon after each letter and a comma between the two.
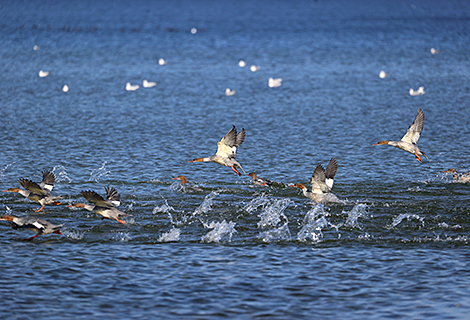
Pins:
x: 197, y: 160
x: 6, y: 218
x: 253, y: 175
x: 451, y: 170
x: 12, y: 190
x: 297, y: 185
x: 182, y: 178
x: 380, y: 143
x: 76, y: 205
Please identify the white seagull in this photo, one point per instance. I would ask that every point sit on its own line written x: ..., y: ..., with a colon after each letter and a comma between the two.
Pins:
x: 149, y: 84
x: 130, y: 87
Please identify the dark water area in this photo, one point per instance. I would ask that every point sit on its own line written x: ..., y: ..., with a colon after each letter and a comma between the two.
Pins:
x: 219, y: 247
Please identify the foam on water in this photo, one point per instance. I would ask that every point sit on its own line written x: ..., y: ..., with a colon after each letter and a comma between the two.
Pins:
x: 171, y: 236
x: 273, y: 213
x: 281, y: 233
x: 121, y: 237
x: 74, y: 234
x: 2, y: 172
x: 221, y: 231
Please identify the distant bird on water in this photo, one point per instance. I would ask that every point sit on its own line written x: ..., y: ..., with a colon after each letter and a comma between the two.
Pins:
x: 274, y: 83
x: 148, y: 84
x: 418, y: 92
x: 40, y: 193
x: 409, y: 142
x: 34, y: 224
x: 130, y: 87
x: 43, y: 74
x: 229, y: 92
x: 227, y: 150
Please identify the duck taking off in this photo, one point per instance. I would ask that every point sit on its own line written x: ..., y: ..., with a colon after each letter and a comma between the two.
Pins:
x: 227, y: 151
x: 37, y: 225
x: 322, y: 181
x: 106, y: 208
x: 260, y: 181
x: 40, y: 193
x: 409, y: 142
x: 459, y: 177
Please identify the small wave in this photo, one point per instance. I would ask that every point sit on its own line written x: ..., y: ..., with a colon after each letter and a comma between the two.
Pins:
x: 220, y: 231
x: 96, y: 174
x: 171, y: 236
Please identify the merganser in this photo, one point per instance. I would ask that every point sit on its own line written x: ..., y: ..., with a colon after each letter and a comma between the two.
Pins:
x: 322, y: 181
x: 259, y: 181
x: 40, y: 193
x: 184, y: 184
x: 459, y: 177
x: 37, y: 225
x: 409, y: 142
x: 227, y: 150
x: 106, y: 208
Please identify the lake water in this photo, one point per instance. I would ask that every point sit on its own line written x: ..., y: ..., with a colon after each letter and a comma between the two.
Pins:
x: 397, y: 246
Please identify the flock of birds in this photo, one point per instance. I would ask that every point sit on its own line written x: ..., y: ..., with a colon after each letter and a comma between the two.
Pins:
x: 321, y: 181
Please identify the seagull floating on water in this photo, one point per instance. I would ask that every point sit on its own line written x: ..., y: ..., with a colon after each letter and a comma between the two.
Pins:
x: 418, y: 92
x: 37, y: 225
x: 130, y: 87
x: 322, y: 181
x: 40, y: 193
x: 383, y: 74
x: 161, y: 62
x: 274, y: 83
x: 227, y: 151
x: 106, y: 208
x: 43, y: 74
x: 435, y: 51
x: 229, y: 92
x: 65, y: 88
x: 148, y: 84
x: 409, y: 142
x: 254, y: 68
x: 241, y: 64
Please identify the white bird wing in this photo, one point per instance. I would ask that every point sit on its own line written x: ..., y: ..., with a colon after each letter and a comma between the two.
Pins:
x: 414, y: 131
x: 227, y: 146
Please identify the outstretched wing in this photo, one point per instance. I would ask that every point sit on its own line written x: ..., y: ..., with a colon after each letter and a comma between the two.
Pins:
x: 227, y: 146
x: 318, y: 180
x: 330, y: 172
x: 112, y: 196
x: 414, y: 131
x: 32, y: 186
x: 96, y: 199
x: 48, y: 180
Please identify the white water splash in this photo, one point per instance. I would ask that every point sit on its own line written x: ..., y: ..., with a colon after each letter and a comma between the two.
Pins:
x: 358, y: 211
x: 273, y: 213
x: 406, y: 216
x: 166, y: 208
x: 314, y: 223
x: 220, y: 231
x: 8, y: 211
x: 177, y: 186
x: 74, y: 234
x: 262, y: 200
x: 122, y: 237
x: 171, y: 236
x: 2, y: 172
x: 278, y: 234
x: 206, y: 204
x: 96, y: 174
x: 60, y: 173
